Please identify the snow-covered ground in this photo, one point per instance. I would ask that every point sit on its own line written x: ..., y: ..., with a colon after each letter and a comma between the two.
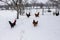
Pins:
x: 48, y: 26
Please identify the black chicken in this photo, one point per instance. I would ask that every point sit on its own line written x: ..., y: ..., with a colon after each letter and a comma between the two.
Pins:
x: 28, y: 15
x: 12, y: 24
x: 57, y: 14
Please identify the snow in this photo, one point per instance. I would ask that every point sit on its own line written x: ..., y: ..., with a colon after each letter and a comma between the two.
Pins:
x: 48, y: 27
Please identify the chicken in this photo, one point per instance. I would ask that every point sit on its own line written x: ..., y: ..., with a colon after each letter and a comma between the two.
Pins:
x: 35, y: 23
x: 28, y: 15
x: 37, y: 15
x: 12, y: 24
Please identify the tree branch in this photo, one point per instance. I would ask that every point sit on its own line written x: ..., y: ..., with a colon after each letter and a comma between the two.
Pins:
x: 5, y: 2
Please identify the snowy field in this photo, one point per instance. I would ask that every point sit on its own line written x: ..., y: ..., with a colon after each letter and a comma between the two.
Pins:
x: 48, y: 27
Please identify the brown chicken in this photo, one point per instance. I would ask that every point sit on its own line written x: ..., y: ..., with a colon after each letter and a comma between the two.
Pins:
x: 35, y: 23
x: 37, y: 15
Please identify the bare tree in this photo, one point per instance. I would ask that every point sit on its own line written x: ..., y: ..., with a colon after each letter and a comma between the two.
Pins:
x: 16, y: 5
x: 55, y: 3
x: 33, y: 2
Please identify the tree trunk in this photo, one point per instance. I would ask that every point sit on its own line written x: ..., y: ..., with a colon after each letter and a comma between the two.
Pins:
x: 20, y: 11
x: 17, y: 14
x: 42, y: 11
